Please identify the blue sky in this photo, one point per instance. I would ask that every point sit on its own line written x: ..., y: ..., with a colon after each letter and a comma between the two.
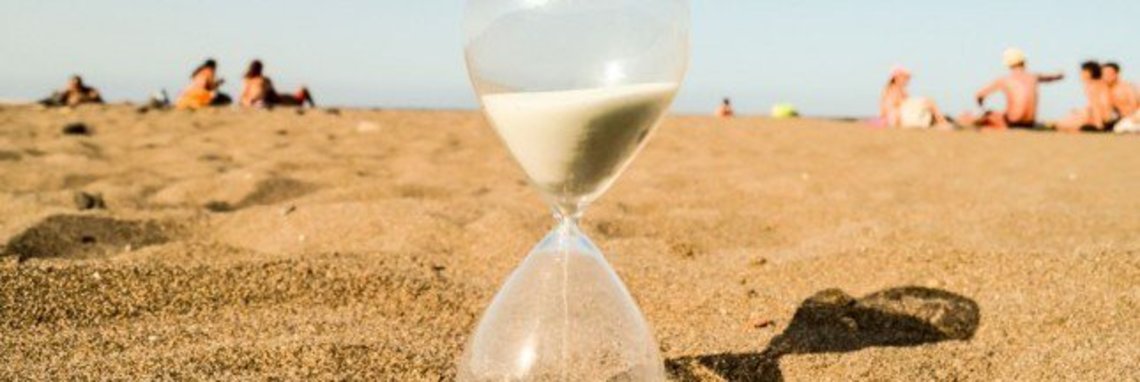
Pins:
x: 827, y: 57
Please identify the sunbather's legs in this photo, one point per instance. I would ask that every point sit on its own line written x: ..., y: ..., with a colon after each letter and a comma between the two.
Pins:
x: 1073, y: 122
x: 939, y: 118
x: 989, y: 119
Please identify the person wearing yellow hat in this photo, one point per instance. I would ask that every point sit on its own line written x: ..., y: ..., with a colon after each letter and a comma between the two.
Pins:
x: 1020, y: 87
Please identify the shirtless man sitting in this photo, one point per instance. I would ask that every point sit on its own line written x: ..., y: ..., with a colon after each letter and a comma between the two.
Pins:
x: 1020, y: 89
x: 1098, y: 116
x: 725, y: 109
x: 1125, y: 99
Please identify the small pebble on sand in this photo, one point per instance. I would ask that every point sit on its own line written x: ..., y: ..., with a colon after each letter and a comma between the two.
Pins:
x: 76, y: 128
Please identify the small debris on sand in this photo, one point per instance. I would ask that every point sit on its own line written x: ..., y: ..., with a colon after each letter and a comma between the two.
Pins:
x: 86, y: 201
x: 76, y: 128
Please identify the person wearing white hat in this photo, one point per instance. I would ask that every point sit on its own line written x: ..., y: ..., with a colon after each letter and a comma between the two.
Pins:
x: 1020, y: 89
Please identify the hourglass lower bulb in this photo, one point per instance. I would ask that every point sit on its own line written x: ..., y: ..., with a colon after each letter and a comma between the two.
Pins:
x: 563, y: 315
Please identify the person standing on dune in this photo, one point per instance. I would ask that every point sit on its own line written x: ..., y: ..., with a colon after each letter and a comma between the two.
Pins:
x: 1125, y: 99
x: 1021, y: 93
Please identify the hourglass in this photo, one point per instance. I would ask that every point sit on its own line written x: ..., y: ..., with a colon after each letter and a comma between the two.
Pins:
x: 574, y: 88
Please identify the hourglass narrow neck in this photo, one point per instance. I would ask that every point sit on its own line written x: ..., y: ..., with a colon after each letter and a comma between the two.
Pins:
x: 567, y: 226
x: 567, y: 239
x: 568, y: 213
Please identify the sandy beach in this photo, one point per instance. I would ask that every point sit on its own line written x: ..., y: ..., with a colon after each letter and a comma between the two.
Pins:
x: 364, y: 244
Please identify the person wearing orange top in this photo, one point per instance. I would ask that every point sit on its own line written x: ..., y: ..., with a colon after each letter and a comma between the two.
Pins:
x: 203, y: 89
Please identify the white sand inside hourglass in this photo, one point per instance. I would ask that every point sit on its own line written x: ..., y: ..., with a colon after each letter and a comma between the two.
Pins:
x: 574, y: 143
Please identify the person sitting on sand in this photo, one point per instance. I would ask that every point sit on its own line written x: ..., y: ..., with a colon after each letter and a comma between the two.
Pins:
x: 203, y: 89
x: 1098, y: 116
x: 1021, y: 93
x: 259, y: 91
x: 75, y: 94
x: 898, y: 109
x: 1125, y: 99
x: 725, y: 109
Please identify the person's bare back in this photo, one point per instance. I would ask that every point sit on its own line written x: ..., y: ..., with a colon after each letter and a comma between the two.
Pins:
x: 1021, y: 95
x: 1020, y: 89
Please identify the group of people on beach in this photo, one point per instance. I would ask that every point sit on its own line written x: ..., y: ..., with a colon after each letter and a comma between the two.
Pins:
x: 204, y: 91
x: 257, y: 89
x: 1113, y: 104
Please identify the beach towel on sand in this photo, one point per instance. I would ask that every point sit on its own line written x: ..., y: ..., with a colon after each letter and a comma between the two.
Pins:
x: 1129, y: 125
x: 913, y: 113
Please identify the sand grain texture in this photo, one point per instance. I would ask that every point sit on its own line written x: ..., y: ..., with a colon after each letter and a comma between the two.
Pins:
x: 363, y: 245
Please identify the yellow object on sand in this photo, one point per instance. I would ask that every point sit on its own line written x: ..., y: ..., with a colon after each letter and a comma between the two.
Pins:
x: 784, y: 111
x: 195, y: 99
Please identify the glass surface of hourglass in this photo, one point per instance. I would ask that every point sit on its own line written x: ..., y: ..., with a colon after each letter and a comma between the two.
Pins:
x: 574, y: 88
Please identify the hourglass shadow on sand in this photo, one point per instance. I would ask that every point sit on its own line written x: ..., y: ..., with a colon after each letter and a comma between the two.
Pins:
x: 833, y: 322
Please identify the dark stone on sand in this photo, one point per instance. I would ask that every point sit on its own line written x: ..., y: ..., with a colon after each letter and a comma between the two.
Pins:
x: 300, y: 111
x: 142, y: 109
x: 210, y: 157
x: 216, y: 206
x: 9, y: 156
x: 82, y: 236
x: 332, y: 111
x: 85, y: 201
x: 76, y: 128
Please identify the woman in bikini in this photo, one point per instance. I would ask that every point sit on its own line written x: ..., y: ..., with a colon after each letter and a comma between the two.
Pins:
x: 258, y: 91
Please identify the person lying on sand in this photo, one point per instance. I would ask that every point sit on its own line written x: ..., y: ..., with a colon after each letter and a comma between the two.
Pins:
x: 1098, y: 116
x: 1125, y: 99
x: 725, y: 109
x: 75, y: 94
x: 203, y: 89
x: 1020, y: 89
x: 898, y: 109
x: 258, y: 91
